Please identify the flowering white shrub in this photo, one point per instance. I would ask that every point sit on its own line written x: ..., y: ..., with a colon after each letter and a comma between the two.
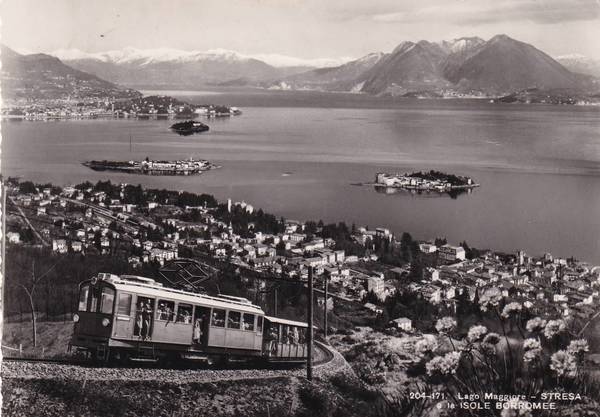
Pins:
x: 476, y: 333
x: 578, y: 346
x: 445, y: 325
x: 511, y: 308
x: 490, y: 300
x: 564, y: 364
x: 553, y: 328
x: 532, y: 348
x: 443, y: 365
x: 425, y: 346
x: 535, y: 325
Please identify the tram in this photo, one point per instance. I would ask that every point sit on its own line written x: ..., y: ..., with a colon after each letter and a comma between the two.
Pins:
x: 133, y: 318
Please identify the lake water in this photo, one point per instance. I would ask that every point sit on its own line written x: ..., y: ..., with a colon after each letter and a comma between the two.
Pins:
x: 298, y: 154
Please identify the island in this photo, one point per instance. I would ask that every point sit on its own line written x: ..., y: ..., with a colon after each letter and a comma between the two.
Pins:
x: 150, y: 167
x: 189, y: 127
x: 429, y: 181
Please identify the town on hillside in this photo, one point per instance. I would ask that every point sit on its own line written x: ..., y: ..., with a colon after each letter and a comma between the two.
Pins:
x: 143, y: 108
x: 361, y: 265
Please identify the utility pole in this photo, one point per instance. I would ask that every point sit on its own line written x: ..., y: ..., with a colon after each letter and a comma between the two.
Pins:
x: 309, y: 334
x: 325, y: 304
x: 275, y: 301
x: 3, y: 251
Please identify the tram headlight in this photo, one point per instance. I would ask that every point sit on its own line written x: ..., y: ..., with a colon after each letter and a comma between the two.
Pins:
x: 75, y: 317
x: 105, y: 322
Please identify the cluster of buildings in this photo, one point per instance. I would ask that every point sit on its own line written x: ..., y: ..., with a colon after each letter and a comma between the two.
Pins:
x: 412, y: 182
x: 59, y: 109
x: 539, y: 283
x: 155, y: 107
x: 180, y: 166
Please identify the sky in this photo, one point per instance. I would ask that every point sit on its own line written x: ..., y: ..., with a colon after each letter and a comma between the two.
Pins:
x: 308, y: 29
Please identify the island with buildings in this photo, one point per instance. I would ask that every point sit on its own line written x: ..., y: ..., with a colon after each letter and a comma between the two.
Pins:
x: 430, y: 181
x: 151, y: 167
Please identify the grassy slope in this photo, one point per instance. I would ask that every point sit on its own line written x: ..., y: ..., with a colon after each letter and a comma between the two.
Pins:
x: 52, y: 338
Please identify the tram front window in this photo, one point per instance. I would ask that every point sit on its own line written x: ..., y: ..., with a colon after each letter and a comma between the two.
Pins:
x: 83, y: 297
x: 94, y: 301
x: 107, y: 300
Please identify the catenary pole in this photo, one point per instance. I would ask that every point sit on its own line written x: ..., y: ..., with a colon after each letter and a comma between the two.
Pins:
x: 309, y: 335
x: 325, y: 304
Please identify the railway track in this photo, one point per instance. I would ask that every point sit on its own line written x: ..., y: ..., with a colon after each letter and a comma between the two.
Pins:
x: 323, y: 356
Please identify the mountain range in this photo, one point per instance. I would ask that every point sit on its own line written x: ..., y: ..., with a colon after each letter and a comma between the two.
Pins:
x: 499, y: 66
x: 580, y: 64
x: 171, y: 68
x: 468, y: 66
x: 41, y: 76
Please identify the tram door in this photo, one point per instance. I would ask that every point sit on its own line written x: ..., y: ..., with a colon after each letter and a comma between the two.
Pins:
x: 144, y: 318
x: 201, y: 323
x: 125, y: 318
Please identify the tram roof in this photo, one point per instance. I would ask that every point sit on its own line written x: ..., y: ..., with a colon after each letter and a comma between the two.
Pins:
x: 149, y: 288
x: 286, y: 321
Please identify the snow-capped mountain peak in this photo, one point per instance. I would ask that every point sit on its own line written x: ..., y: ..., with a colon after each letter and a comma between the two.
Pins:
x: 131, y: 55
x: 148, y: 56
x: 461, y: 44
x: 573, y: 57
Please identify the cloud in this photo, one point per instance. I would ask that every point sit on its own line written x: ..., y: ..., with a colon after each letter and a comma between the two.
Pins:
x: 485, y: 11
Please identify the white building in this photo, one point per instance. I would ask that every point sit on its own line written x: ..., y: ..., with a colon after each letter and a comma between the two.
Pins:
x: 13, y: 237
x: 450, y: 253
x: 59, y: 245
x: 375, y: 284
x: 402, y: 323
x: 427, y: 248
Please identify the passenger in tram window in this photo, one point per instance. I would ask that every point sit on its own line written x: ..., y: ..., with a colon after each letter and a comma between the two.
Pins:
x: 146, y: 320
x: 197, y: 335
x: 294, y: 336
x: 187, y: 317
x: 139, y: 321
x: 160, y: 311
x: 273, y: 338
x: 168, y: 313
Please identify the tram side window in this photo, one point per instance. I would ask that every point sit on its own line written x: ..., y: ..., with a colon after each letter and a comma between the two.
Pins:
x: 233, y: 320
x: 124, y: 305
x: 248, y: 322
x: 107, y: 300
x: 165, y: 310
x: 284, y: 334
x: 302, y: 335
x: 83, y: 297
x: 184, y: 314
x: 259, y: 324
x: 218, y: 318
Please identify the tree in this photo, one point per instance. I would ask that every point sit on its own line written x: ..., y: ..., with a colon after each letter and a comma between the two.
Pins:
x: 27, y: 187
x: 371, y: 297
x: 406, y: 243
x: 440, y: 241
x: 30, y: 291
